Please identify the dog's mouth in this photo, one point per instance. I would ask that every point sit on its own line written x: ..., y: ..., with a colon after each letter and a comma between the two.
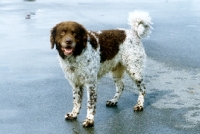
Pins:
x: 67, y: 50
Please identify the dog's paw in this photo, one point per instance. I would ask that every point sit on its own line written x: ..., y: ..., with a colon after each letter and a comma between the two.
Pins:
x: 137, y: 108
x: 70, y: 116
x: 88, y: 123
x: 111, y: 103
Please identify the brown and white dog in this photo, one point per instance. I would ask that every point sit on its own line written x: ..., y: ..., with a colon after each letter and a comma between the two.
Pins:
x: 85, y: 56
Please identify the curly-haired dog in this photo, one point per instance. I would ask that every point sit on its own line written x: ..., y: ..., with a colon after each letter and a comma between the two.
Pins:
x: 85, y: 56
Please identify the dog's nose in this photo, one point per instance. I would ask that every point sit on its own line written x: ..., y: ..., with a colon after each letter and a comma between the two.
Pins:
x: 69, y: 41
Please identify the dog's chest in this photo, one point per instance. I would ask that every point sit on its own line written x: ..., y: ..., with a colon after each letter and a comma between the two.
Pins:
x: 75, y: 72
x: 80, y: 70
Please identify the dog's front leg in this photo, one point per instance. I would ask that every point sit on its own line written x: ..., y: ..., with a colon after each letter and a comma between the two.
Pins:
x: 91, y: 105
x: 77, y: 99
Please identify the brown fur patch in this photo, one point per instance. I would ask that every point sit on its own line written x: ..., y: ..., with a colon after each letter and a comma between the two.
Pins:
x: 109, y: 43
x: 93, y: 41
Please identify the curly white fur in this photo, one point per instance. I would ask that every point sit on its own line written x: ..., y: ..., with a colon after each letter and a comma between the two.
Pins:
x: 140, y: 21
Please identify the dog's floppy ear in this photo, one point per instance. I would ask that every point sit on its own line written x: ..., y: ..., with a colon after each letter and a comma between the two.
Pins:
x: 53, y: 35
x: 84, y: 35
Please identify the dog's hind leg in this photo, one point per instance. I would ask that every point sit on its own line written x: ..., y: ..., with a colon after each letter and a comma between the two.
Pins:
x: 140, y: 102
x: 137, y: 77
x: 134, y: 66
x: 117, y: 74
x: 77, y: 99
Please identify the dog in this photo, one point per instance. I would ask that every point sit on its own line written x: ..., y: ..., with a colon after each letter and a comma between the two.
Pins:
x: 86, y: 56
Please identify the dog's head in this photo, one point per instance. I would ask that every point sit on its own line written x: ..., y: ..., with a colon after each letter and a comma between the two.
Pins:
x: 69, y: 37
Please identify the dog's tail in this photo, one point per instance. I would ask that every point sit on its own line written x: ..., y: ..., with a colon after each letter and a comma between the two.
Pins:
x: 140, y: 21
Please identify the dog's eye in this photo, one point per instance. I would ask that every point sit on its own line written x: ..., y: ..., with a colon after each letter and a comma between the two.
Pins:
x: 62, y: 33
x: 73, y: 33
